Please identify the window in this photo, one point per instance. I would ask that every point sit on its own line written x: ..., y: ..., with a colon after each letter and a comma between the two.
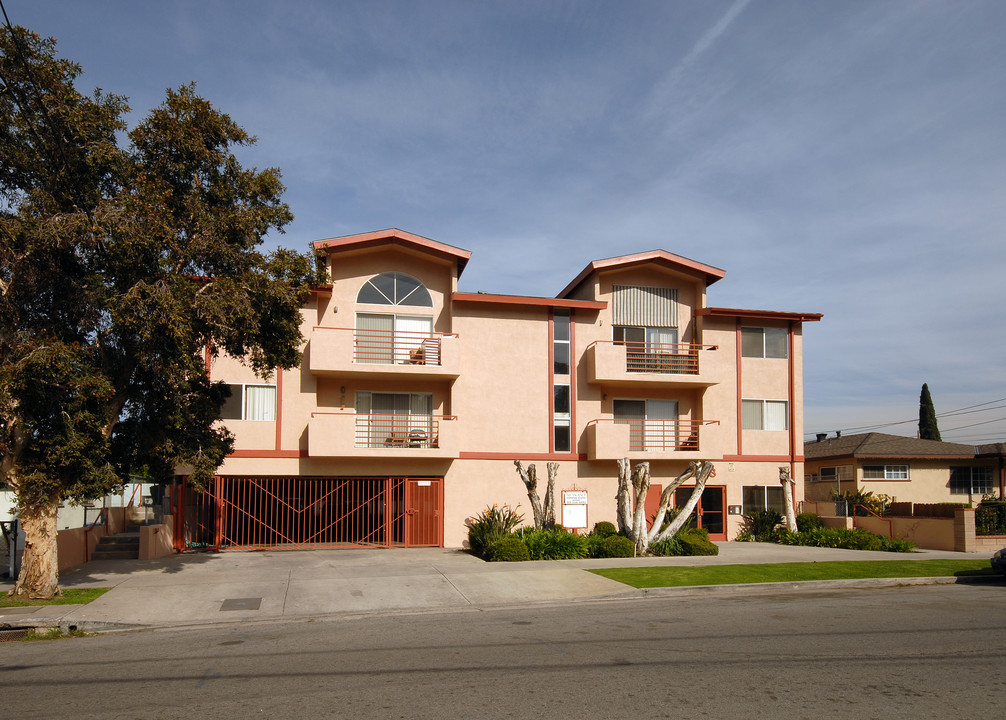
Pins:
x: 388, y: 339
x: 394, y: 420
x: 560, y: 343
x: 971, y: 481
x: 562, y: 390
x: 764, y: 342
x: 763, y: 497
x: 885, y: 472
x: 561, y: 417
x: 250, y: 402
x: 764, y: 415
x: 653, y: 424
x: 836, y: 474
x: 394, y: 288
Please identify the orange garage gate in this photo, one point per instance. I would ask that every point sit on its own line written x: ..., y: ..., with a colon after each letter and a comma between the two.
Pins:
x: 303, y: 512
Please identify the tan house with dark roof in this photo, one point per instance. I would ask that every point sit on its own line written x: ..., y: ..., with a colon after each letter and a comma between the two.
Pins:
x: 908, y: 469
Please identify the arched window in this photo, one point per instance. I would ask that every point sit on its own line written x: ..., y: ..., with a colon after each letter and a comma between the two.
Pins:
x: 394, y: 288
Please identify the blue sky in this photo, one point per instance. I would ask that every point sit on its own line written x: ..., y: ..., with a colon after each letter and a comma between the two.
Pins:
x: 837, y: 157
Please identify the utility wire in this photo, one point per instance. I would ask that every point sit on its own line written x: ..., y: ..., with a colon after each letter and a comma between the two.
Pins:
x: 950, y: 413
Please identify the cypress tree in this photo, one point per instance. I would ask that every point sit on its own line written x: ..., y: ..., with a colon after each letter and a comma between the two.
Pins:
x: 928, y: 429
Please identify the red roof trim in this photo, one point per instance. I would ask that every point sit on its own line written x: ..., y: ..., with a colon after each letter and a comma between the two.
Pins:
x: 712, y: 274
x: 395, y: 235
x: 763, y: 314
x: 531, y: 301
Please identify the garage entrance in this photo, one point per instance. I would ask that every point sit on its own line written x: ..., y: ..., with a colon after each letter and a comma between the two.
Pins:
x: 309, y: 512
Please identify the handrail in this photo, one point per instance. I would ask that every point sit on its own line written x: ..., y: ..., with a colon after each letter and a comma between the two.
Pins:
x: 660, y: 435
x: 660, y: 358
x: 89, y: 528
x: 871, y: 511
x: 432, y: 333
x: 630, y: 343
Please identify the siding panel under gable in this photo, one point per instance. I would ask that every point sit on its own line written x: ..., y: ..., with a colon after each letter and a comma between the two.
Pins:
x: 644, y: 306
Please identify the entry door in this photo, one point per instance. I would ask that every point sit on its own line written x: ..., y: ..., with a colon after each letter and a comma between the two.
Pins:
x: 423, y: 516
x: 709, y: 513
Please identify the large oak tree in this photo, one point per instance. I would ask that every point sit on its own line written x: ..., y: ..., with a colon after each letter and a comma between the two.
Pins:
x: 124, y: 259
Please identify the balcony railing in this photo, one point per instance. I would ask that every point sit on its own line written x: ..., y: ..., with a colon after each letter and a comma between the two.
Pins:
x: 384, y: 353
x: 378, y: 430
x: 613, y: 438
x: 396, y: 347
x: 349, y: 434
x: 671, y: 358
x: 634, y: 363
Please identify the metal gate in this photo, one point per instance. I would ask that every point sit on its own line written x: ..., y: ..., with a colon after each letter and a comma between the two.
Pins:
x: 302, y: 512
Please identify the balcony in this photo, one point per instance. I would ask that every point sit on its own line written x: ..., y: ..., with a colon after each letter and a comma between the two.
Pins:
x: 677, y: 365
x: 387, y: 354
x: 610, y: 439
x: 382, y: 436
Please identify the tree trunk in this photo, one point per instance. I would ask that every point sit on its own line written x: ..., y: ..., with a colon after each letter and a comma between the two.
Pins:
x: 702, y: 471
x: 667, y: 497
x: 641, y: 484
x: 622, y: 509
x: 788, y: 484
x: 40, y: 568
x: 548, y: 504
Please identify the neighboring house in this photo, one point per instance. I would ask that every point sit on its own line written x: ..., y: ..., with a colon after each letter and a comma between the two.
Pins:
x: 908, y: 469
x: 414, y: 400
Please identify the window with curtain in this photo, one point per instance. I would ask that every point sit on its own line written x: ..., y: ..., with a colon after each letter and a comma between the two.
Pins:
x: 764, y: 415
x: 250, y: 402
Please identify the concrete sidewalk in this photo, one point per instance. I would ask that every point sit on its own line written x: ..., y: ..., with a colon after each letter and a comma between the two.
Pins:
x: 236, y: 586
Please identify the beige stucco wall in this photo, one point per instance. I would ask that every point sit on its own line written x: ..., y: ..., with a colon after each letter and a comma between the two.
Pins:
x: 502, y: 395
x: 928, y: 480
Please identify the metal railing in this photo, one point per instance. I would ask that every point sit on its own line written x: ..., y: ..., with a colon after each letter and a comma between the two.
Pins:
x: 663, y: 358
x: 379, y: 430
x: 397, y: 347
x: 661, y: 435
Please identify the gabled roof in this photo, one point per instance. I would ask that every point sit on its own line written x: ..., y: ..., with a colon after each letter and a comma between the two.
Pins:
x: 882, y: 445
x: 709, y: 273
x: 394, y: 236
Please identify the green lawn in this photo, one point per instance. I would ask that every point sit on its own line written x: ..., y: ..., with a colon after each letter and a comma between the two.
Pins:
x: 677, y: 576
x: 71, y: 596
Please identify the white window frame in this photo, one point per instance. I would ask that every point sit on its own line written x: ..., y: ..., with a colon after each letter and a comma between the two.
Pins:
x: 890, y: 472
x: 268, y: 412
x: 764, y: 416
x: 982, y: 488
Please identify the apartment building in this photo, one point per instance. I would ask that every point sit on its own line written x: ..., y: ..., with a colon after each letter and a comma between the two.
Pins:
x: 414, y: 400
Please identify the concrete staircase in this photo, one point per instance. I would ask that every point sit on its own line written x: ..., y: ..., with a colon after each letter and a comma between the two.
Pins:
x: 124, y: 546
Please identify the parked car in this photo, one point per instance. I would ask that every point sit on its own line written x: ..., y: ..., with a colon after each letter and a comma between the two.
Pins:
x: 999, y: 561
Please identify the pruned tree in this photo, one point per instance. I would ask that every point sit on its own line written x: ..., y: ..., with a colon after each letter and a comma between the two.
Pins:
x: 929, y: 429
x: 788, y: 485
x: 543, y: 510
x: 119, y: 266
x: 633, y: 486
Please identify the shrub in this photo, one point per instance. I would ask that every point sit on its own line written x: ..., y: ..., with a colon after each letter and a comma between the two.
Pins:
x: 557, y: 544
x: 695, y: 541
x: 490, y: 525
x: 615, y: 546
x: 667, y: 547
x: 808, y: 521
x: 508, y: 549
x: 604, y: 529
x: 857, y: 539
x: 761, y: 524
x: 990, y: 518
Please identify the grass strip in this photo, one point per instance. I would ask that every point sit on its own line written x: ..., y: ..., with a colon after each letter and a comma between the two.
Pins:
x: 70, y: 596
x: 682, y: 576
